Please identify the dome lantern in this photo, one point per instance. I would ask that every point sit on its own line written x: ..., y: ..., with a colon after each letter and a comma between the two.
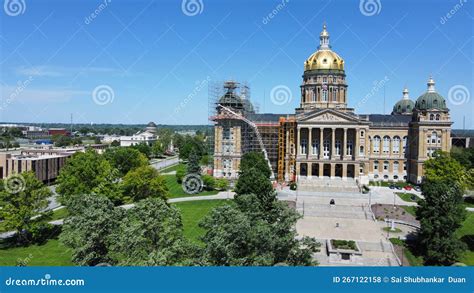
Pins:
x: 324, y: 39
x: 431, y: 99
x: 404, y: 106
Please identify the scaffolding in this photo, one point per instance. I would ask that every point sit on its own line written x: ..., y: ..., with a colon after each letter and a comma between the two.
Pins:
x: 286, y: 149
x: 238, y: 128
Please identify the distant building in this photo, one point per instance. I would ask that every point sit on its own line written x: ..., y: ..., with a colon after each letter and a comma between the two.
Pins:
x: 58, y: 131
x: 148, y: 136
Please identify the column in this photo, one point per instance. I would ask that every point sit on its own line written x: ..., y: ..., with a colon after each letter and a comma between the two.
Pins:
x: 344, y: 144
x: 309, y: 169
x: 310, y: 141
x: 333, y: 145
x: 321, y: 170
x: 333, y: 170
x: 344, y: 170
x: 298, y: 169
x: 321, y: 140
x: 298, y: 147
x: 356, y: 143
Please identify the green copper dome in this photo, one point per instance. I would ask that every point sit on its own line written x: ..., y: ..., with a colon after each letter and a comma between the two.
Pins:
x: 431, y: 99
x: 404, y: 106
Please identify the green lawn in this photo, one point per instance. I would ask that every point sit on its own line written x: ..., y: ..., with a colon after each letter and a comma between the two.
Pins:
x: 466, y: 233
x: 415, y: 261
x: 176, y: 190
x: 172, y: 168
x: 52, y: 253
x: 57, y: 215
x: 407, y: 196
x: 192, y: 212
x: 410, y: 209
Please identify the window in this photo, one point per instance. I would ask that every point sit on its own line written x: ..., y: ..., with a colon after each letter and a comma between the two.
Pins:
x: 361, y: 133
x: 386, y: 144
x: 405, y: 142
x: 430, y: 152
x: 325, y: 79
x: 404, y: 166
x: 338, y: 148
x: 325, y: 96
x: 315, y: 145
x: 395, y: 166
x: 385, y: 165
x: 396, y: 145
x: 377, y: 144
x: 434, y: 137
x: 395, y: 177
x: 361, y: 150
x: 303, y: 146
x: 349, y: 148
x: 376, y: 166
x: 385, y: 177
x: 334, y: 93
x: 326, y: 149
x: 438, y: 117
x: 431, y: 117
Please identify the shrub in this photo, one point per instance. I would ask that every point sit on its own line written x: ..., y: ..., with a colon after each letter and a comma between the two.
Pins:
x: 293, y: 186
x: 180, y: 173
x: 222, y: 184
x: 209, y: 182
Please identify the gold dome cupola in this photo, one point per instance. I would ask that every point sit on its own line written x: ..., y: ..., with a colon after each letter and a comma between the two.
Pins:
x: 324, y: 58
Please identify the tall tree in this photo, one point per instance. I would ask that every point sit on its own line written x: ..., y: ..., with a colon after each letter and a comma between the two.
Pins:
x: 125, y: 159
x: 253, y: 181
x: 23, y: 200
x: 144, y: 182
x: 442, y: 167
x: 193, y: 166
x: 440, y: 214
x: 87, y: 173
x: 255, y: 160
x: 151, y: 234
x: 88, y: 228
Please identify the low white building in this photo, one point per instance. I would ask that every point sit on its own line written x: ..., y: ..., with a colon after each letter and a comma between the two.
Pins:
x: 148, y: 136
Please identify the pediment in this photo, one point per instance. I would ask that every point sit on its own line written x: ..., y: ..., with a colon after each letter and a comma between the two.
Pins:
x: 328, y: 115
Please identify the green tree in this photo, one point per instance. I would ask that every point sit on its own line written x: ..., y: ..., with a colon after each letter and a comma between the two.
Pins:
x: 222, y: 184
x: 255, y: 160
x: 143, y: 148
x: 115, y: 143
x: 442, y: 167
x: 440, y: 214
x: 465, y: 156
x: 125, y: 159
x: 243, y: 235
x: 61, y: 140
x: 193, y: 166
x: 157, y: 149
x: 144, y: 182
x: 151, y: 234
x: 88, y: 173
x: 92, y: 219
x: 180, y: 173
x: 23, y: 200
x: 253, y: 181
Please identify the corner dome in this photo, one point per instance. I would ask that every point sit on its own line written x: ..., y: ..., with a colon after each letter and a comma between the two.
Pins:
x: 324, y: 58
x: 404, y: 106
x: 232, y: 100
x: 431, y: 99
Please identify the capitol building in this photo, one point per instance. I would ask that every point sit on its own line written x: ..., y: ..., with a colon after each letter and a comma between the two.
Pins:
x: 324, y: 138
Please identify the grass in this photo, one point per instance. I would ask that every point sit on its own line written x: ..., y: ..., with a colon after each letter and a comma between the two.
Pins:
x: 397, y: 230
x: 466, y: 234
x: 344, y: 244
x: 57, y: 215
x: 172, y: 168
x: 176, y: 190
x: 52, y: 253
x: 192, y: 212
x: 415, y: 261
x: 410, y: 209
x: 407, y: 196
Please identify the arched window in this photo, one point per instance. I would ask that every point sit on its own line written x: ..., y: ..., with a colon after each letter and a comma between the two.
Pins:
x: 431, y: 117
x: 395, y: 166
x: 396, y: 145
x: 385, y: 165
x: 361, y: 150
x: 386, y: 144
x: 434, y: 137
x: 334, y: 95
x: 377, y: 144
x: 315, y: 146
x: 438, y: 117
x: 376, y: 166
x: 325, y: 96
x: 303, y: 146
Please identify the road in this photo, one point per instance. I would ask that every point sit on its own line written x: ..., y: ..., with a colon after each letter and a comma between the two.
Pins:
x: 164, y: 163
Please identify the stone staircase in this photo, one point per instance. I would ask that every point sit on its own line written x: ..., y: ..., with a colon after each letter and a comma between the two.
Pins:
x: 312, y: 209
x: 327, y: 184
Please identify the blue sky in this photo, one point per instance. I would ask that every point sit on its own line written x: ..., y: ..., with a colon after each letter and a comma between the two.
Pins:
x: 157, y: 60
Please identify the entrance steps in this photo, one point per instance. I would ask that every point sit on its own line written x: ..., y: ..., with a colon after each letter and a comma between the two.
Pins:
x: 310, y: 209
x: 328, y: 184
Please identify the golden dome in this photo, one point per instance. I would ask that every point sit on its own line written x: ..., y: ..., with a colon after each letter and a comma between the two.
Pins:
x: 324, y: 58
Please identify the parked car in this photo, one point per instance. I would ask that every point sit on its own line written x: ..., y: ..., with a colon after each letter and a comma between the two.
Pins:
x: 408, y: 187
x: 398, y: 187
x: 418, y: 188
x: 392, y: 186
